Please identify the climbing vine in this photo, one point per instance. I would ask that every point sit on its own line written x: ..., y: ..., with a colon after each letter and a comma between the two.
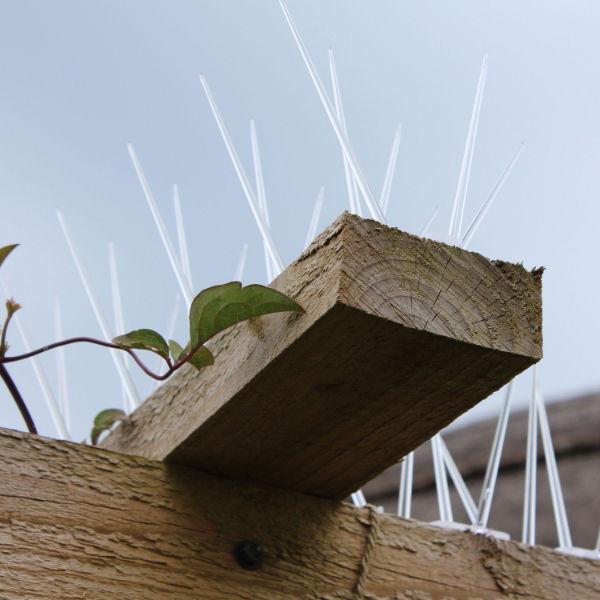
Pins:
x: 213, y: 310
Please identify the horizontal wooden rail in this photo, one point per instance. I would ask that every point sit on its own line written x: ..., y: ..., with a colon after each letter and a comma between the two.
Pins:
x: 82, y: 522
x: 400, y: 336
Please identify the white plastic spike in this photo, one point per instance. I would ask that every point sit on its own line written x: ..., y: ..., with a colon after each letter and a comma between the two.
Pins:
x: 356, y: 197
x: 474, y: 226
x: 406, y: 485
x: 117, y: 356
x: 51, y: 403
x: 173, y: 318
x: 57, y: 417
x: 339, y: 110
x: 241, y: 266
x: 597, y: 548
x: 493, y: 465
x: 162, y: 230
x: 558, y: 502
x: 258, y: 173
x: 263, y: 227
x: 314, y: 219
x: 61, y: 367
x: 459, y: 482
x: 115, y: 289
x: 361, y: 180
x: 270, y: 268
x: 458, y: 207
x: 391, y: 169
x: 184, y: 257
x: 358, y: 499
x: 528, y: 535
x: 441, y: 481
x: 160, y: 363
x: 425, y: 229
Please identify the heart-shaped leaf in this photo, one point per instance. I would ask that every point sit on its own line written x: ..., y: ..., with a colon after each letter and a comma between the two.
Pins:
x: 5, y: 251
x: 104, y: 420
x: 201, y: 358
x: 176, y: 350
x: 218, y: 307
x: 144, y: 339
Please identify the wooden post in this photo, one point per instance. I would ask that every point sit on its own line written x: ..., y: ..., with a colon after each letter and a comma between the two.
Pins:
x: 401, y: 335
x: 82, y: 522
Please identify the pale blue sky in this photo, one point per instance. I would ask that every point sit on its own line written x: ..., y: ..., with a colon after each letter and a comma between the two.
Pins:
x: 80, y: 79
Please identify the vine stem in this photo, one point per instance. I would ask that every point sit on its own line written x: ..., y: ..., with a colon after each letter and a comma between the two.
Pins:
x: 14, y: 391
x: 12, y: 388
x: 89, y: 340
x: 173, y: 366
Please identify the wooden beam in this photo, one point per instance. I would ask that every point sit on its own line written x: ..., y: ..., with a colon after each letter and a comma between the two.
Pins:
x: 401, y: 335
x: 82, y: 522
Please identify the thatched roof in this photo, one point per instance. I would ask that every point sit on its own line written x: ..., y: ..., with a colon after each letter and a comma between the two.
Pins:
x: 575, y: 426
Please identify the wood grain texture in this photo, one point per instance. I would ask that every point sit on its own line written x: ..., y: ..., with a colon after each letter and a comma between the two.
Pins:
x: 401, y: 335
x: 82, y: 522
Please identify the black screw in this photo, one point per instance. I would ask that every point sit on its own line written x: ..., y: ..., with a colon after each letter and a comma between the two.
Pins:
x: 249, y: 555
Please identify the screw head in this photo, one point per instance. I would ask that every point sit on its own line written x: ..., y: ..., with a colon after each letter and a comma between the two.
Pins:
x: 249, y: 555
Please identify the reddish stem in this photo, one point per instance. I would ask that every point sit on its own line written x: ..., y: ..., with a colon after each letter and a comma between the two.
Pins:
x: 14, y: 392
x: 141, y: 365
x: 10, y: 384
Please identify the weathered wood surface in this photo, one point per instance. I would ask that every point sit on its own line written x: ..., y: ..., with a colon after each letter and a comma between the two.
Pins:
x: 401, y: 335
x: 82, y: 522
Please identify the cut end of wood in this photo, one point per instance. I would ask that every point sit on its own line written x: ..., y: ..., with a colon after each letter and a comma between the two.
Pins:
x: 401, y: 335
x: 442, y: 289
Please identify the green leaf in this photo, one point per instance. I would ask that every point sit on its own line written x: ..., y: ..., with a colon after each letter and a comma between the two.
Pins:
x: 4, y: 252
x: 201, y: 358
x: 109, y: 416
x: 144, y: 339
x: 95, y: 434
x: 221, y: 306
x: 105, y: 420
x: 176, y: 350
